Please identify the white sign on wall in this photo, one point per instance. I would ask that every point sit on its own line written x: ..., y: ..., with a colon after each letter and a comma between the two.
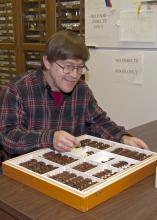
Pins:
x: 121, y: 26
x: 127, y: 67
x: 137, y: 28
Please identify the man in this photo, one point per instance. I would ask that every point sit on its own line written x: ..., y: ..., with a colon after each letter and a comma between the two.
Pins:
x: 52, y: 106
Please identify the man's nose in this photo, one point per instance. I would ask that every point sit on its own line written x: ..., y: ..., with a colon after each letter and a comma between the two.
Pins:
x: 74, y: 73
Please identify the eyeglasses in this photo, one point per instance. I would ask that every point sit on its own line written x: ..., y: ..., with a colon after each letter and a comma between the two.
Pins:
x: 69, y: 68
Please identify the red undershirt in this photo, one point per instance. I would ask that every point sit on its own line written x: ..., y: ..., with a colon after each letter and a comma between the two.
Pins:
x: 57, y: 98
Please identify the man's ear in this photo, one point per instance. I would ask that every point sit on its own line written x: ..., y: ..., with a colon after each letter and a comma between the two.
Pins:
x: 46, y: 63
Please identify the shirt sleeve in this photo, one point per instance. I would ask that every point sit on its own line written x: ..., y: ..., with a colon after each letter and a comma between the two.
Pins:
x: 100, y: 123
x: 15, y: 138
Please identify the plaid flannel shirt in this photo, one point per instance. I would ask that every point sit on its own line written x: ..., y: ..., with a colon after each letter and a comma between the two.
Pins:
x: 29, y: 117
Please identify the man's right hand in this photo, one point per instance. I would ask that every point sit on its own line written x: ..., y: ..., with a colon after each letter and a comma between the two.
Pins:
x: 63, y: 141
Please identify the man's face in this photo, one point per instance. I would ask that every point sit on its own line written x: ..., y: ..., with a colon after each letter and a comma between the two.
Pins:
x: 63, y: 75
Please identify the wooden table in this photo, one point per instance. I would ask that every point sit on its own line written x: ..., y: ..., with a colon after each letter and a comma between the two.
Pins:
x: 18, y: 201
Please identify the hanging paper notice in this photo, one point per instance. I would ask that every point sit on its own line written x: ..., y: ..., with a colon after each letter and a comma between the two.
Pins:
x: 97, y: 22
x: 137, y: 27
x: 127, y: 67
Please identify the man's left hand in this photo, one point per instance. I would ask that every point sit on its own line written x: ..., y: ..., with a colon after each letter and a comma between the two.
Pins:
x: 134, y: 141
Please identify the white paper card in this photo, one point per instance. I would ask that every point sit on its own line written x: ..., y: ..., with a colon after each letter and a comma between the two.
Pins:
x: 137, y: 28
x: 127, y: 67
x: 98, y: 21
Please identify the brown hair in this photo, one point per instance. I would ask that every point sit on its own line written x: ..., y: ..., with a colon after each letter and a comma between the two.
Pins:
x: 66, y: 45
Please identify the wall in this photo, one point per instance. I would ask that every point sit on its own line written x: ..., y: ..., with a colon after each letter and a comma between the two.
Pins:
x: 127, y: 103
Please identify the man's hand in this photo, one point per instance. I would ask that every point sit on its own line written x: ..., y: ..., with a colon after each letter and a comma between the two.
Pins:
x: 134, y: 141
x: 63, y: 141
